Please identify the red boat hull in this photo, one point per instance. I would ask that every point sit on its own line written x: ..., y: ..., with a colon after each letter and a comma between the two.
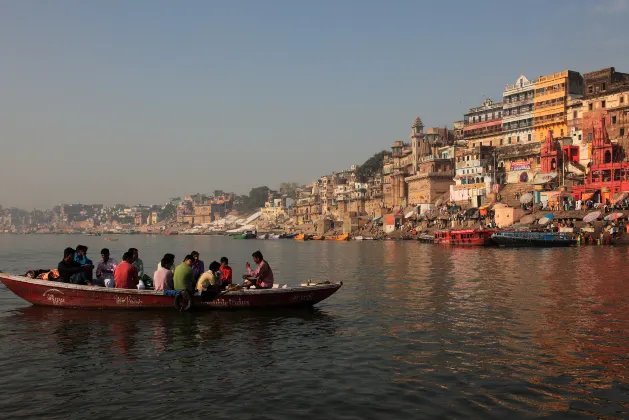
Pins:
x: 64, y: 295
x: 467, y: 237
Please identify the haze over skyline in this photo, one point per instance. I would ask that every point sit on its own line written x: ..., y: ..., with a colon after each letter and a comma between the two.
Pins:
x: 135, y: 102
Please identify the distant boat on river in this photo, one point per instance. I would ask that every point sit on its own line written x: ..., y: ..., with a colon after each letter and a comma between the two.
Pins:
x: 533, y: 239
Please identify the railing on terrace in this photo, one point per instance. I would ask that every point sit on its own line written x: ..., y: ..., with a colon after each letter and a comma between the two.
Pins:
x: 511, y: 104
x: 548, y: 92
x: 543, y: 121
x: 575, y: 123
x: 516, y: 87
x: 516, y: 126
x: 423, y: 175
x: 558, y: 102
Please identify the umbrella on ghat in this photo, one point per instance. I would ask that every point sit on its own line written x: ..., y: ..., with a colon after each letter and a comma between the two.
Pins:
x: 529, y: 218
x: 613, y: 216
x: 590, y: 217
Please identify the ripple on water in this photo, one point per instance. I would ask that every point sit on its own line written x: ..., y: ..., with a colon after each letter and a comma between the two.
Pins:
x: 416, y: 332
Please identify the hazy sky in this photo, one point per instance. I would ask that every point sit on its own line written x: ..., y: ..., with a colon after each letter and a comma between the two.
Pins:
x: 136, y: 101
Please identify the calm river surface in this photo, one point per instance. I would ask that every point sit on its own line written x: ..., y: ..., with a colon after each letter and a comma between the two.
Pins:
x: 417, y: 331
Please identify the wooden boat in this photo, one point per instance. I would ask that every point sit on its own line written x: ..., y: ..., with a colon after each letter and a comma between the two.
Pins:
x: 288, y: 236
x: 465, y: 237
x: 246, y: 235
x: 318, y: 238
x: 274, y: 236
x: 111, y: 239
x: 358, y: 238
x: 65, y: 295
x: 533, y: 239
x: 344, y: 237
x: 302, y: 237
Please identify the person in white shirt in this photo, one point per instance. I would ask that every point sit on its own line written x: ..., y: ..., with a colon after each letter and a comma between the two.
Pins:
x: 105, y: 269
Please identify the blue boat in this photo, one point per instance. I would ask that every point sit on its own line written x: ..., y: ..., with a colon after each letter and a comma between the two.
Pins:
x: 533, y: 239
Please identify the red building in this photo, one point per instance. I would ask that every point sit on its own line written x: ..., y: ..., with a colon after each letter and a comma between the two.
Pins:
x: 551, y: 154
x: 608, y: 175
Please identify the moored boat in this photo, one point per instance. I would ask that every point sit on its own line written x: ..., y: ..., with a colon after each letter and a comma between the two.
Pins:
x: 246, y: 235
x: 302, y: 237
x: 344, y: 237
x: 66, y: 295
x: 465, y: 237
x: 318, y: 238
x: 533, y: 239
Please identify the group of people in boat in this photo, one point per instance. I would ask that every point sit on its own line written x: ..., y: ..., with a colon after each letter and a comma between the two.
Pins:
x: 189, y: 275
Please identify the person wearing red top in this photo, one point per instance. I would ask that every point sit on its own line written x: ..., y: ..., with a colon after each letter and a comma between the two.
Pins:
x: 226, y: 271
x: 125, y: 274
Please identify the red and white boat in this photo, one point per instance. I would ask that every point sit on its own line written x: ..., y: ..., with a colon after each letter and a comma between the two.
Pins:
x: 465, y: 237
x: 66, y: 295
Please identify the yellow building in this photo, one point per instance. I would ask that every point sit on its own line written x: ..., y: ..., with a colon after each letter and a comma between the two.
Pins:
x: 552, y: 93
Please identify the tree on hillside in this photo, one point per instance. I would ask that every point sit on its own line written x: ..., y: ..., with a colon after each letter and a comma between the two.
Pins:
x: 289, y: 189
x: 371, y: 167
x: 256, y: 199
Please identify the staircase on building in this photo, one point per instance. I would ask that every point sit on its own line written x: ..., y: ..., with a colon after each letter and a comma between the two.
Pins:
x: 507, y: 193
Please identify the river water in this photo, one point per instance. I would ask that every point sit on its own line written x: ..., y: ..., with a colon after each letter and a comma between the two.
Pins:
x: 417, y: 331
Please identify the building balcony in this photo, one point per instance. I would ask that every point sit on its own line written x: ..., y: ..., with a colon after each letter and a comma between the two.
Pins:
x: 427, y: 175
x: 481, y: 124
x: 513, y: 127
x: 513, y: 104
x: 517, y: 117
x: 575, y: 124
x: 547, y: 121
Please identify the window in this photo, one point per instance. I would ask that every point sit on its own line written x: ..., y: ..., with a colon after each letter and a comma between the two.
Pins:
x: 590, y: 107
x: 622, y: 132
x: 622, y: 99
x: 562, y: 132
x: 590, y: 137
x: 509, y: 140
x: 590, y: 89
x: 574, y: 114
x: 602, y: 104
x: 579, y: 136
x: 518, y: 139
x: 491, y: 143
x: 501, y: 142
x: 614, y: 119
x: 529, y: 138
x: 603, y: 86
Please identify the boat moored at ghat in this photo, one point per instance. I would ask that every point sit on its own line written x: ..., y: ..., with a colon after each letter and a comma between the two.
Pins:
x: 465, y: 237
x: 533, y: 239
x: 66, y: 295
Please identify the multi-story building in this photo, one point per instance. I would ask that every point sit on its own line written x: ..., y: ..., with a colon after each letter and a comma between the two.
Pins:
x: 552, y: 94
x: 609, y: 174
x: 395, y: 168
x: 473, y: 178
x: 483, y: 124
x: 457, y: 130
x: 607, y: 98
x: 517, y: 112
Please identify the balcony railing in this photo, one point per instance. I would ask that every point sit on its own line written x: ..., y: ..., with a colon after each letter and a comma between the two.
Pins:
x: 512, y: 104
x: 545, y: 121
x: 424, y: 175
x: 575, y: 123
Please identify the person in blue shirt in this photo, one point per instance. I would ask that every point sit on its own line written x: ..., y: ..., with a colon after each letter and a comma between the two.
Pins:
x: 81, y: 257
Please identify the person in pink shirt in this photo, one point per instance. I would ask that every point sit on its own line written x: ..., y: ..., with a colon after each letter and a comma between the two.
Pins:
x: 262, y: 276
x: 163, y: 277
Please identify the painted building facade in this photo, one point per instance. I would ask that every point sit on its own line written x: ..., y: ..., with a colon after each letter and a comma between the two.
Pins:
x: 517, y: 112
x: 552, y: 93
x: 483, y: 124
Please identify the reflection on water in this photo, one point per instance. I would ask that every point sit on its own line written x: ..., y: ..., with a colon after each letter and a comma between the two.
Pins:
x: 418, y: 331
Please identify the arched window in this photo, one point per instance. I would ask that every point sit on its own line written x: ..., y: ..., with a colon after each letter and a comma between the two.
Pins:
x: 608, y: 157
